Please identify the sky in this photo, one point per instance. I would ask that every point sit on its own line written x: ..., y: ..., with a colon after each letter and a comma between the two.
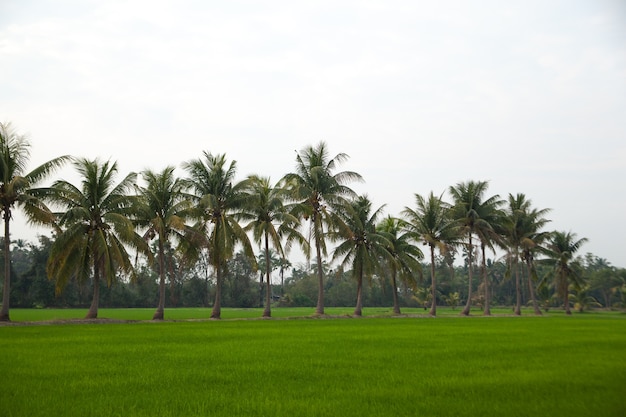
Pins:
x: 528, y: 95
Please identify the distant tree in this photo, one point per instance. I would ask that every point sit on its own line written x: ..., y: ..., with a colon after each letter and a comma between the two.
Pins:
x: 96, y: 229
x: 317, y: 189
x: 16, y: 189
x: 582, y: 299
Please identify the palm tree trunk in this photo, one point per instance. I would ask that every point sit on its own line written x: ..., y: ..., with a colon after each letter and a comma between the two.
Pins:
x: 358, y: 309
x: 518, y: 292
x: 319, y: 309
x: 216, y: 313
x: 6, y: 292
x: 531, y: 288
x: 159, y: 313
x: 433, y: 282
x: 568, y: 311
x: 93, y: 309
x: 396, y: 304
x: 468, y: 304
x: 267, y: 312
x: 487, y: 310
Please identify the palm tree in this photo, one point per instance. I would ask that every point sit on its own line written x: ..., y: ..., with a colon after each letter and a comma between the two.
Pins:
x: 360, y: 245
x: 318, y: 190
x: 522, y: 230
x: 161, y: 210
x: 283, y: 264
x: 560, y: 251
x: 430, y: 222
x: 404, y: 262
x: 270, y: 221
x: 470, y: 211
x: 16, y: 189
x: 96, y: 228
x: 220, y: 203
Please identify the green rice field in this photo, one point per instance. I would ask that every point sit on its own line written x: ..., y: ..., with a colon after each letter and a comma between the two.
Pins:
x: 376, y: 366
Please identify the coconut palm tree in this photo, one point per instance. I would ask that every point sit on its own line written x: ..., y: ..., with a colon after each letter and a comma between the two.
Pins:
x: 161, y: 210
x: 270, y: 222
x: 96, y: 228
x: 470, y: 209
x: 318, y: 189
x: 522, y: 230
x: 16, y: 189
x: 560, y: 250
x: 405, y: 256
x: 220, y: 202
x: 360, y: 245
x: 431, y: 223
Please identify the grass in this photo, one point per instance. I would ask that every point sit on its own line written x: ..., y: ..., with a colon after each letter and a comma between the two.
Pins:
x: 503, y: 366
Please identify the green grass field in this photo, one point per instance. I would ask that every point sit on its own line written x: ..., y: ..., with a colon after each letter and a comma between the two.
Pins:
x: 449, y: 366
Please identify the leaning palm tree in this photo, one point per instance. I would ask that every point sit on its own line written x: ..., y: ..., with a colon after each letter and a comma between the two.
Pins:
x: 317, y: 190
x: 161, y: 210
x: 404, y: 261
x: 431, y: 223
x: 469, y: 207
x: 269, y: 222
x: 360, y: 245
x: 560, y: 251
x: 95, y: 226
x: 220, y: 204
x: 16, y: 189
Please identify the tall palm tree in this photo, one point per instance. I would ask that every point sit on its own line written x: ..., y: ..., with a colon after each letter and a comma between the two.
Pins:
x: 220, y: 203
x: 522, y: 229
x: 560, y: 251
x: 270, y: 222
x: 405, y: 256
x: 16, y: 189
x: 469, y: 209
x: 96, y: 228
x: 318, y: 190
x: 161, y: 210
x: 430, y: 222
x: 360, y: 245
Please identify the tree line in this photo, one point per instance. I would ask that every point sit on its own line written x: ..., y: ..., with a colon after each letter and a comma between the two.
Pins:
x: 151, y: 228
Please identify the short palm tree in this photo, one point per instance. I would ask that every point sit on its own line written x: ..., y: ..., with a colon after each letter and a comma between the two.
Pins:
x: 431, y: 223
x: 469, y: 210
x: 317, y: 190
x: 220, y: 203
x: 269, y: 222
x: 404, y: 261
x: 560, y: 250
x: 161, y: 210
x: 360, y: 245
x: 16, y: 189
x: 96, y: 228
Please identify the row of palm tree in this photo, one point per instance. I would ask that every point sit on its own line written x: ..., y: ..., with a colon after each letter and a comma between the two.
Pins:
x: 100, y: 224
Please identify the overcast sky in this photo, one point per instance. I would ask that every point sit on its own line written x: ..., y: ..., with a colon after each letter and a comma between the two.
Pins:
x: 529, y: 95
